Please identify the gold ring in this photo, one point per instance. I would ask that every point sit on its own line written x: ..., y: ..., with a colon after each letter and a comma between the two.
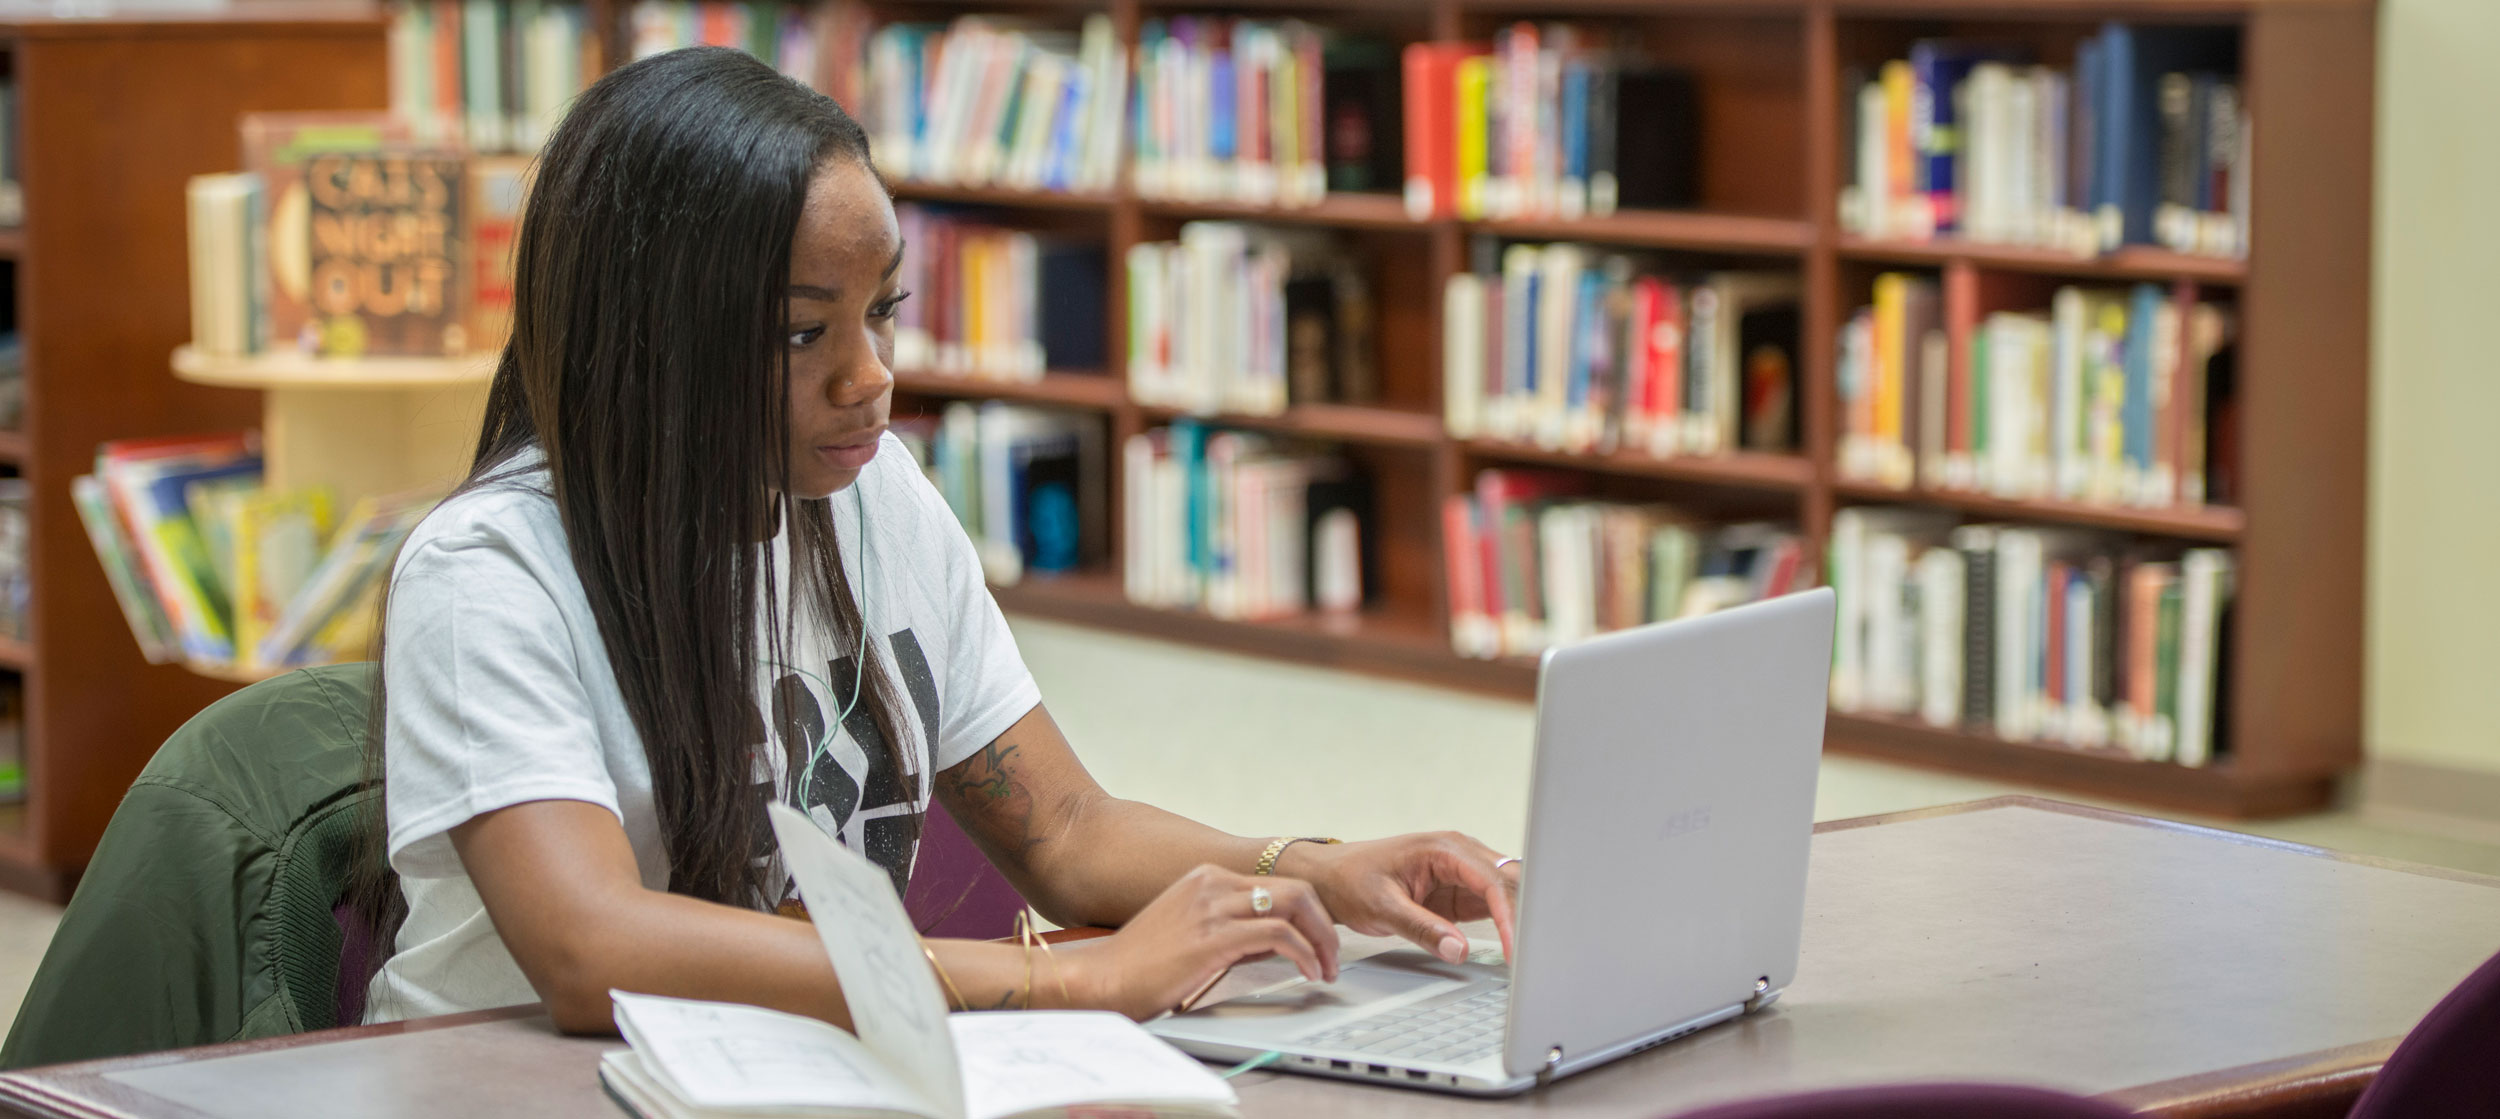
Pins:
x: 1261, y: 901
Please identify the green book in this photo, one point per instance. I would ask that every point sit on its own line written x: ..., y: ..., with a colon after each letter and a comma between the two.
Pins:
x: 2166, y: 612
x: 1670, y: 570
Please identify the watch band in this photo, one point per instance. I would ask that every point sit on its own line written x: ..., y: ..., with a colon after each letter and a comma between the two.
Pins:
x: 1267, y: 858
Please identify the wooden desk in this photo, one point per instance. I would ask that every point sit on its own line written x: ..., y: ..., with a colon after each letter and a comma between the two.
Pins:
x: 2171, y: 968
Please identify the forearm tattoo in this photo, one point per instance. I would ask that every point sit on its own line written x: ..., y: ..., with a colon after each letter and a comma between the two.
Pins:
x: 988, y: 787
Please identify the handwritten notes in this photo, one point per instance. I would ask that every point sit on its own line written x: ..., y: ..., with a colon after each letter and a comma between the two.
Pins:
x: 722, y: 1055
x: 1046, y: 1060
x: 893, y: 996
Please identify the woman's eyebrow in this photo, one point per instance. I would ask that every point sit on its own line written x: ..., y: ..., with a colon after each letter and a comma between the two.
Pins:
x: 834, y: 295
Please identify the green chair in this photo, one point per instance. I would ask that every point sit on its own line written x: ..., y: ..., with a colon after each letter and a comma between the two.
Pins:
x: 209, y: 912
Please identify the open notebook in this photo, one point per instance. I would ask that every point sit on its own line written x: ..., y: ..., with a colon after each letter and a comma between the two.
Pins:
x: 708, y: 1060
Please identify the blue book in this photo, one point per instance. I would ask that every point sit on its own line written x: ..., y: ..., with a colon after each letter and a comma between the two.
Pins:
x: 1588, y: 339
x: 1188, y: 449
x: 1575, y: 125
x: 1937, y: 68
x: 2136, y: 415
x: 1527, y: 337
x: 2083, y: 187
x: 1220, y: 143
x: 1058, y: 164
x: 2133, y: 59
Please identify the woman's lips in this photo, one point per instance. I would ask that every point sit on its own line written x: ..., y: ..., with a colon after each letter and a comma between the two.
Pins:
x: 852, y: 452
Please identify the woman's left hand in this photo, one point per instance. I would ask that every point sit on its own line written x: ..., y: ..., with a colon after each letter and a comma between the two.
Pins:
x: 1415, y: 886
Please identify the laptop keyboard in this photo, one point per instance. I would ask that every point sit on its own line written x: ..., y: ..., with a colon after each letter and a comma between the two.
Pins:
x: 1452, y: 1031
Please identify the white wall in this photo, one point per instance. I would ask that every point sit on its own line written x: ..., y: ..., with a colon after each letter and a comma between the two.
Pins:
x: 2434, y: 629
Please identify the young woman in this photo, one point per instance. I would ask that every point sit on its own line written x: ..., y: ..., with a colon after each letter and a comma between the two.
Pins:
x: 690, y: 571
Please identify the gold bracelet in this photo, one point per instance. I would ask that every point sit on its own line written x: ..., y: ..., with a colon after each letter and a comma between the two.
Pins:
x: 940, y: 969
x: 1267, y: 858
x: 1031, y: 936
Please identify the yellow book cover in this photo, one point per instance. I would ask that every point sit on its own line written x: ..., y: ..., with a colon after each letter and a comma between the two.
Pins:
x: 279, y: 540
x: 1475, y: 78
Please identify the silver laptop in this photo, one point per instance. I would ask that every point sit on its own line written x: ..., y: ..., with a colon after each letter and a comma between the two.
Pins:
x: 1669, y: 811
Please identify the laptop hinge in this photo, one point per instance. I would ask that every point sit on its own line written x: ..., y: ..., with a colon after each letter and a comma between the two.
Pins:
x: 1553, y: 1060
x: 1761, y: 994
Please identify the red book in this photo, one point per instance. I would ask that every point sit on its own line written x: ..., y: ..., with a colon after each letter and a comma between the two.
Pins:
x: 1665, y: 338
x: 1464, y: 567
x: 448, y: 105
x: 2054, y: 591
x: 1429, y: 76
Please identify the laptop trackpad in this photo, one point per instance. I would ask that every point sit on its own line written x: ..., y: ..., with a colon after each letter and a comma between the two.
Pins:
x: 1299, y: 1007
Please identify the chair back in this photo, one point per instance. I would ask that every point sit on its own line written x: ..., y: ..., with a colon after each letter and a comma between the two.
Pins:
x: 954, y: 890
x: 2449, y: 1066
x: 1919, y: 1101
x: 206, y: 913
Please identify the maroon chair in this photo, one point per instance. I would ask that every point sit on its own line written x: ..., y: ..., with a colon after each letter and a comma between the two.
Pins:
x: 2449, y: 1066
x: 1919, y: 1101
x: 954, y: 890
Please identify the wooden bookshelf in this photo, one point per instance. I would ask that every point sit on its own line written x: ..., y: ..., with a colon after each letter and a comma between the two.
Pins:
x: 1769, y: 75
x: 102, y: 298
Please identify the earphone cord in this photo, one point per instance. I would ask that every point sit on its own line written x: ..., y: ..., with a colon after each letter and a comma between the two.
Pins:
x: 859, y: 660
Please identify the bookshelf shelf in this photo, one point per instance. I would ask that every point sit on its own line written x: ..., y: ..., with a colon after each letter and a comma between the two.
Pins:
x: 1344, y: 423
x: 1665, y: 229
x: 13, y: 448
x: 1385, y: 641
x: 2219, y: 524
x: 1343, y: 209
x: 1070, y: 388
x: 2225, y: 787
x: 2136, y: 262
x: 16, y: 654
x: 294, y: 371
x: 1783, y: 473
x: 917, y: 191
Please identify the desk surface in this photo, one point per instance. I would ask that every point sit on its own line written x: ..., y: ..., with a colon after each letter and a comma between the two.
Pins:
x: 2168, y: 967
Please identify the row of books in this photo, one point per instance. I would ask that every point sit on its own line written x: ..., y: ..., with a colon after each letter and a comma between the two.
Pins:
x: 12, y: 739
x: 1027, y: 484
x: 1270, y: 112
x: 344, y: 237
x: 12, y: 380
x: 16, y: 541
x: 2033, y: 634
x: 1245, y: 318
x: 994, y: 302
x: 2145, y: 140
x: 1544, y: 121
x: 1242, y: 526
x: 12, y: 181
x: 488, y: 75
x: 1532, y: 561
x: 211, y: 567
x: 983, y: 100
x: 1575, y: 348
x: 2110, y: 396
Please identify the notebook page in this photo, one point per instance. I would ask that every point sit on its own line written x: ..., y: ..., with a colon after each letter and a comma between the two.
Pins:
x: 1017, y: 1062
x: 725, y: 1055
x: 894, y: 999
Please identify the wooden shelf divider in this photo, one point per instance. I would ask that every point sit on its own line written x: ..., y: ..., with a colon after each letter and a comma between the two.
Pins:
x: 2135, y: 262
x: 2218, y: 524
x: 1062, y: 387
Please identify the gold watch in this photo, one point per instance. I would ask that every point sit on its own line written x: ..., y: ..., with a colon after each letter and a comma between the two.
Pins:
x: 1267, y: 858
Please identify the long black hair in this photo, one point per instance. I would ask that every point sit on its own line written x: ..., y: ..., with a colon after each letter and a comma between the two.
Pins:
x: 649, y: 361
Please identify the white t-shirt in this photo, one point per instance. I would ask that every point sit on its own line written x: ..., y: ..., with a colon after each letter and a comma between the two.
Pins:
x: 500, y: 692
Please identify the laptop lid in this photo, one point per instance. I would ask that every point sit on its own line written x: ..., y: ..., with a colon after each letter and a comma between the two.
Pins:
x: 1671, y: 802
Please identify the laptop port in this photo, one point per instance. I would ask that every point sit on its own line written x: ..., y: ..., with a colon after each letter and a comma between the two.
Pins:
x: 1417, y: 1074
x: 1341, y: 1066
x: 1379, y: 1070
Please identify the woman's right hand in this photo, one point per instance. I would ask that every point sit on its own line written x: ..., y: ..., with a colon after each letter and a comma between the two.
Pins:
x: 1198, y: 927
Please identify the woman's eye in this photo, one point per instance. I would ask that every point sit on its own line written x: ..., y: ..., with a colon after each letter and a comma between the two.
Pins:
x: 885, y: 308
x: 801, y: 339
